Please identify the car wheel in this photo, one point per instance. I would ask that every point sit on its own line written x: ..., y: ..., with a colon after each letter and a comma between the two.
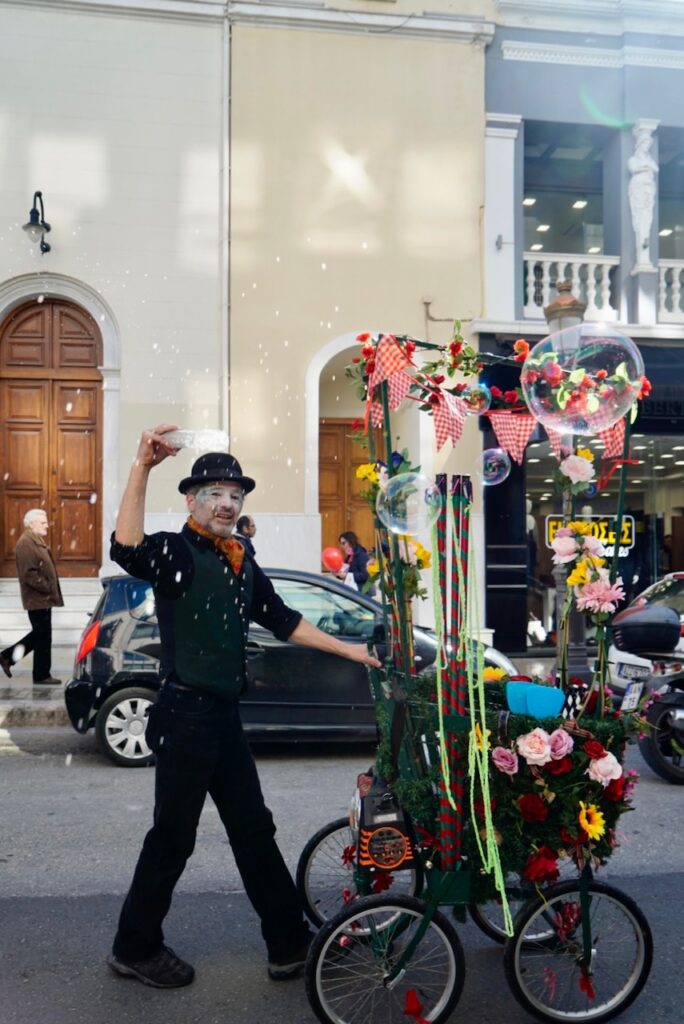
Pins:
x: 120, y: 727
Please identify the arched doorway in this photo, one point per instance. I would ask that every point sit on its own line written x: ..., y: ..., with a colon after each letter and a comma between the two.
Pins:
x: 50, y: 431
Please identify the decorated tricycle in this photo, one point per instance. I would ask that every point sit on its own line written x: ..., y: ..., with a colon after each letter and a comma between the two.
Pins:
x: 485, y: 790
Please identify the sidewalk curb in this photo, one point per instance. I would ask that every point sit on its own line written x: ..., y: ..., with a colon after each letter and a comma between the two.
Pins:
x: 31, y: 713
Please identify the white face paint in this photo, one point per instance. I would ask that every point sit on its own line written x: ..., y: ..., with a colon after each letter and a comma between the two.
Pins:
x: 217, y: 507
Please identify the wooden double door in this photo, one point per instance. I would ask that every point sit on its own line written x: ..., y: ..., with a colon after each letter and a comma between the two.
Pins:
x: 50, y: 427
x: 340, y: 503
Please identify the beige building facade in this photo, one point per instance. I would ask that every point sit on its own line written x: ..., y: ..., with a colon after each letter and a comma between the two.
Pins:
x: 234, y: 192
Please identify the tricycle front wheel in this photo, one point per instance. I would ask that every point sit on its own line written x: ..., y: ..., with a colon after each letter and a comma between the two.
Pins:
x: 350, y: 970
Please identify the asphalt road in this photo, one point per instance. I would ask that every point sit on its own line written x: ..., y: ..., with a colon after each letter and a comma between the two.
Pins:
x: 71, y: 828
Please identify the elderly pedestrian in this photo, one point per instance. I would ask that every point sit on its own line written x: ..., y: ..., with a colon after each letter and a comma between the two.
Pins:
x: 40, y: 593
x: 206, y: 591
x: 245, y: 529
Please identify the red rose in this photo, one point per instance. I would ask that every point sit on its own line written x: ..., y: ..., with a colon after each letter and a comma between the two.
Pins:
x: 615, y: 790
x: 533, y: 808
x: 601, y: 374
x: 455, y: 347
x: 552, y: 374
x: 356, y: 359
x: 434, y: 399
x: 478, y: 804
x: 531, y: 377
x: 594, y: 750
x: 521, y: 349
x: 370, y: 366
x: 646, y: 388
x: 362, y: 337
x: 560, y: 767
x: 460, y: 388
x: 496, y: 392
x: 438, y: 378
x: 567, y: 837
x: 511, y: 397
x: 542, y: 866
x: 367, y: 351
x: 410, y: 347
x: 357, y: 425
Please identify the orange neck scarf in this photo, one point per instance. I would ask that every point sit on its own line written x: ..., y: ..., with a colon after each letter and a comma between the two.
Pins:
x: 231, y: 548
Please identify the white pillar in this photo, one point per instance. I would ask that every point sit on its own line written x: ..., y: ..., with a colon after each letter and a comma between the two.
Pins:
x: 111, y: 387
x: 501, y: 202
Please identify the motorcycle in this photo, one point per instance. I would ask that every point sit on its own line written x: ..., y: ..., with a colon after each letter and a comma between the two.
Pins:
x: 654, y: 633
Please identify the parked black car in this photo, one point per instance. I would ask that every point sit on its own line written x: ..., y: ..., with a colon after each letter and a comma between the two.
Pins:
x: 294, y: 692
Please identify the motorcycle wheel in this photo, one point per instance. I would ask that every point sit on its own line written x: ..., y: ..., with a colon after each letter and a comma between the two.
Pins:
x: 656, y: 747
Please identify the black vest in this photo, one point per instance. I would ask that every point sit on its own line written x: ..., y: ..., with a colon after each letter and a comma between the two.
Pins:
x: 210, y: 625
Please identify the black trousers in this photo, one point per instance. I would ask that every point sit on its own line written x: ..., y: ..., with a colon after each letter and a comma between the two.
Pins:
x: 201, y: 748
x: 39, y: 640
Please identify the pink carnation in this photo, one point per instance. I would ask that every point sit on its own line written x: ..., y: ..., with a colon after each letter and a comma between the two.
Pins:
x: 604, y: 769
x: 578, y: 470
x: 505, y: 760
x: 561, y: 743
x: 600, y: 596
x: 565, y: 549
x: 534, y: 747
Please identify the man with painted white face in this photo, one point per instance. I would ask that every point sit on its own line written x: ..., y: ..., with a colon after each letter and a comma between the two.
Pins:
x: 40, y: 593
x: 206, y: 591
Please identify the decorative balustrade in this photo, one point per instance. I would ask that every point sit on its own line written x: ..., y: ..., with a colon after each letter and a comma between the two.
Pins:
x: 591, y: 278
x: 670, y: 291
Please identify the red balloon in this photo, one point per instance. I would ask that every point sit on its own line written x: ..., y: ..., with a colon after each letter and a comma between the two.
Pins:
x: 332, y: 559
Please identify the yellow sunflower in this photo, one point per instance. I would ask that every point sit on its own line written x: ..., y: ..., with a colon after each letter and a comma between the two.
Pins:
x: 581, y: 574
x: 591, y: 820
x: 493, y: 675
x: 367, y: 471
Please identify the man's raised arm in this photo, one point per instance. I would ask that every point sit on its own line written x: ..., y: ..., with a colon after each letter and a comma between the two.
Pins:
x: 130, y: 522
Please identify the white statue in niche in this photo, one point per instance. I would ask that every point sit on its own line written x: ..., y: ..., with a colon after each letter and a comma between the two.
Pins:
x: 642, y: 193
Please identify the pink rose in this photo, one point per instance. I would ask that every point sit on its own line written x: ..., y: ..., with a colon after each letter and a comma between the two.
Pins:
x: 563, y: 531
x: 593, y: 546
x: 565, y: 549
x: 579, y: 470
x: 604, y: 769
x: 534, y: 747
x: 505, y: 760
x: 561, y: 743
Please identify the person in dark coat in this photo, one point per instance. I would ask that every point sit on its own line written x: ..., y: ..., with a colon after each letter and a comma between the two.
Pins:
x: 40, y: 593
x: 206, y: 591
x: 244, y: 531
x: 356, y: 561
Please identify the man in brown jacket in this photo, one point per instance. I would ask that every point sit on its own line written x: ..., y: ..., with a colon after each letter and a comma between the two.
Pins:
x: 40, y: 593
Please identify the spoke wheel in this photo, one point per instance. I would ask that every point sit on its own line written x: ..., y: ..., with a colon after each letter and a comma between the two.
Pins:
x: 350, y: 963
x: 121, y: 724
x: 488, y: 916
x: 657, y: 747
x: 325, y: 873
x: 549, y: 978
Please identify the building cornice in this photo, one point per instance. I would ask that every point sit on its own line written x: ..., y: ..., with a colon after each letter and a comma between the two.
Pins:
x: 316, y: 16
x: 591, y: 56
x: 606, y: 17
x: 665, y: 334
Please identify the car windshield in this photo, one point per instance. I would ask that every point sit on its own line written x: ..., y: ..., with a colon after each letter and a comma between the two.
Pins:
x: 665, y: 592
x: 333, y: 613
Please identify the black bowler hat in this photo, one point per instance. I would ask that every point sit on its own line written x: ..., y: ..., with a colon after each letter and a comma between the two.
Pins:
x: 214, y: 467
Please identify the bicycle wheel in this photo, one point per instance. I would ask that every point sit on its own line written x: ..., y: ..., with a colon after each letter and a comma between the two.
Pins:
x: 549, y: 977
x: 488, y: 916
x: 325, y: 873
x: 351, y: 959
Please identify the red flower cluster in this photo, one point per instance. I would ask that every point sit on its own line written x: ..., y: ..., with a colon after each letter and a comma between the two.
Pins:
x: 533, y: 808
x: 560, y: 767
x: 511, y: 397
x: 594, y: 750
x: 542, y: 866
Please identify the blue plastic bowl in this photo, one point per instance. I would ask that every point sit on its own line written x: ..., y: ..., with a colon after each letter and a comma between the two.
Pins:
x: 516, y: 697
x: 544, y: 701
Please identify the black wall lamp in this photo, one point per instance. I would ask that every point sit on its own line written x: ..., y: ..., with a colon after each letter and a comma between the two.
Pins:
x: 37, y: 225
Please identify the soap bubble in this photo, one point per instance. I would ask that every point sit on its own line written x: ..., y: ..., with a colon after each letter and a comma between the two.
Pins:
x: 477, y: 399
x: 204, y: 440
x: 582, y: 379
x: 494, y: 466
x: 409, y: 504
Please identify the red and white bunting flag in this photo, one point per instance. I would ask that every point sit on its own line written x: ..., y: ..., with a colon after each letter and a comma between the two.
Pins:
x: 398, y: 388
x: 557, y: 440
x: 613, y: 440
x: 389, y: 358
x: 376, y: 416
x: 513, y: 431
x: 449, y: 416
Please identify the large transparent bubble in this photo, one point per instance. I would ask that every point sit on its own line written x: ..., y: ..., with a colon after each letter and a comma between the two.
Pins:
x: 478, y: 399
x: 409, y: 504
x: 582, y: 379
x: 493, y: 467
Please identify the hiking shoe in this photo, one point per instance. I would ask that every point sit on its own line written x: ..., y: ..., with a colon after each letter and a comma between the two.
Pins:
x: 163, y: 970
x: 282, y: 968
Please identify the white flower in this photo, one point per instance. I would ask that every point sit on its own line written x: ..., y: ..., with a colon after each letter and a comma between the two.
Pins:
x: 579, y: 470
